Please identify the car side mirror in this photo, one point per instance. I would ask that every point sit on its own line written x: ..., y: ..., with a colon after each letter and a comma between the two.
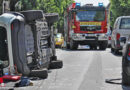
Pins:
x: 123, y: 39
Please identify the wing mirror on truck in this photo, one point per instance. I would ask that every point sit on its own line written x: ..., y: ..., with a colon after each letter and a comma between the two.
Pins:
x: 74, y: 10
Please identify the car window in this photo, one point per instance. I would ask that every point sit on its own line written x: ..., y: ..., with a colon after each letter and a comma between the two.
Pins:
x: 3, y: 47
x: 58, y: 35
x: 125, y: 23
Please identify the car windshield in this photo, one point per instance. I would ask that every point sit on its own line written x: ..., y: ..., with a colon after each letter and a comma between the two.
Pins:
x: 90, y: 16
x: 3, y: 48
x: 125, y: 23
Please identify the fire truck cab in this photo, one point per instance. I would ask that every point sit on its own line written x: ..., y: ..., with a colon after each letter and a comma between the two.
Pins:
x: 85, y: 25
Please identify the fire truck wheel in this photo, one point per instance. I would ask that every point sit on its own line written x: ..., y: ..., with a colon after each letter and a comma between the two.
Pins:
x: 103, y: 45
x: 112, y: 50
x: 43, y: 73
x: 56, y: 64
x: 116, y: 52
x: 67, y: 46
x: 73, y: 45
x: 125, y: 76
x: 31, y: 15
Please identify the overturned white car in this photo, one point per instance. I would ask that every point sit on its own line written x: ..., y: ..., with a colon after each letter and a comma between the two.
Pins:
x: 27, y: 44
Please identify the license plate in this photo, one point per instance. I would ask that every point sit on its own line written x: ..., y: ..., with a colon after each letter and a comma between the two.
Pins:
x: 89, y: 34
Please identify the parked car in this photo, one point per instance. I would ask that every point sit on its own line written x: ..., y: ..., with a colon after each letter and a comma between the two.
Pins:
x: 26, y: 44
x: 59, y: 40
x: 121, y: 29
x: 126, y: 62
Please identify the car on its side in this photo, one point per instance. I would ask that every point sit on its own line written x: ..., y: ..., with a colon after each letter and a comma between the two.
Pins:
x: 26, y: 44
x: 121, y: 29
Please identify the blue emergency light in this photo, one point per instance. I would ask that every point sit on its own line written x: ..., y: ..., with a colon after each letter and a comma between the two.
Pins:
x: 78, y: 4
x: 100, y: 4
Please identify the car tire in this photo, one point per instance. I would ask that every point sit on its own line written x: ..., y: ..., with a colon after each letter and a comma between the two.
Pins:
x: 32, y: 15
x: 103, y: 45
x: 51, y: 17
x: 43, y: 73
x: 56, y: 64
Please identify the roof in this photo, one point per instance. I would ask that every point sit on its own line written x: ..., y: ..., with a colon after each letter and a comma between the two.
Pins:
x: 124, y: 17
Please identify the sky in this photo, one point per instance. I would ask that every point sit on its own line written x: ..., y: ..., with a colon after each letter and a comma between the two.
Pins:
x: 94, y: 2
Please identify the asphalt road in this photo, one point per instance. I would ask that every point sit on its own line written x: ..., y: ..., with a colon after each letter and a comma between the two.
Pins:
x: 83, y: 69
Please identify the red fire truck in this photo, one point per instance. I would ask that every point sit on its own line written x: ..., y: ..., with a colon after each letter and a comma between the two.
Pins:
x: 85, y: 25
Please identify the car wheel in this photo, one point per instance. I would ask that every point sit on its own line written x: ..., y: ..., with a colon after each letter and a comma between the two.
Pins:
x: 32, y: 15
x: 125, y: 71
x: 43, y: 73
x: 56, y: 64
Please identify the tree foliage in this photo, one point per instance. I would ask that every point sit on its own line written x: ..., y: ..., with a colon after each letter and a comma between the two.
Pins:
x: 48, y: 6
x: 1, y: 6
x: 119, y: 8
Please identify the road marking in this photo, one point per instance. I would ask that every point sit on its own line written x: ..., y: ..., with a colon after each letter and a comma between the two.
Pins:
x: 89, y: 61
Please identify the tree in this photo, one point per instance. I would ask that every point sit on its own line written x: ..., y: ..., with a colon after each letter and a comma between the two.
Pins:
x: 48, y: 6
x: 1, y: 1
x: 119, y: 8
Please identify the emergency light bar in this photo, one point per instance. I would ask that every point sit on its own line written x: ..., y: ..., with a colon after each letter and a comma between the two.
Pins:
x: 78, y: 4
x: 100, y: 4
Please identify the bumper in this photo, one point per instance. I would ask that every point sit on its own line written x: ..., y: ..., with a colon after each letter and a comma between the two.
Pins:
x: 89, y: 37
x: 59, y: 43
x: 119, y: 45
x: 90, y: 42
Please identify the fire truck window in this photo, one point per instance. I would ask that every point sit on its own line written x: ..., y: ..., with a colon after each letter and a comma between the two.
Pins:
x: 90, y: 16
x: 3, y: 48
